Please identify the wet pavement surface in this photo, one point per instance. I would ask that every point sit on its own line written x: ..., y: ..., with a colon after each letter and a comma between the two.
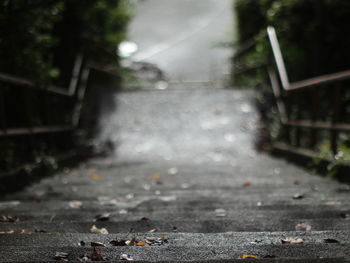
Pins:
x: 183, y: 183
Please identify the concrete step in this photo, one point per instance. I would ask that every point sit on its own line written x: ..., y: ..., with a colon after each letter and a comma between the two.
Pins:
x: 176, y: 239
x: 69, y: 225
x: 181, y: 253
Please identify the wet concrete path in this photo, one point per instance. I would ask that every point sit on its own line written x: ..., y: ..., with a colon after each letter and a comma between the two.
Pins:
x: 184, y: 173
x: 184, y: 183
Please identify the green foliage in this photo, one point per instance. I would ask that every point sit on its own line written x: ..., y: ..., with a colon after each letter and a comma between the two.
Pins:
x: 39, y: 39
x: 312, y: 33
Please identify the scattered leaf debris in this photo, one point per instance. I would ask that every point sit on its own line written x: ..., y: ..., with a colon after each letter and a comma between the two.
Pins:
x: 96, y: 255
x: 95, y: 176
x: 97, y: 230
x: 220, y: 212
x: 345, y: 215
x: 247, y: 184
x: 298, y: 196
x: 61, y: 256
x: 9, y: 219
x: 331, y: 203
x: 16, y: 231
x: 302, y: 227
x: 330, y: 240
x: 75, y: 204
x: 292, y: 240
x: 144, y: 218
x: 118, y: 243
x: 102, y: 217
x: 173, y: 171
x: 126, y: 257
x: 249, y: 256
x: 97, y: 244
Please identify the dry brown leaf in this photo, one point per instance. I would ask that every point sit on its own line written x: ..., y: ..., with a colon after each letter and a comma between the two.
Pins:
x: 249, y: 256
x: 157, y: 176
x: 247, y: 184
x: 9, y: 219
x: 96, y: 255
x: 95, y: 176
x: 141, y: 244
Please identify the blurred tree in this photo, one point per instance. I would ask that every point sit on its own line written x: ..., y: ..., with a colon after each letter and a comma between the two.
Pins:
x: 40, y: 38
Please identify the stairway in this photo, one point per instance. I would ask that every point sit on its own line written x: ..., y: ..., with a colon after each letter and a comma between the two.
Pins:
x: 185, y: 184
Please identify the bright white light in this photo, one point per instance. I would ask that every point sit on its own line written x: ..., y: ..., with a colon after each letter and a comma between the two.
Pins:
x: 127, y: 48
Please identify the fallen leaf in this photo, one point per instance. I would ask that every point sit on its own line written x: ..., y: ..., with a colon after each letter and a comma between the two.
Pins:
x: 16, y: 231
x: 331, y: 203
x: 185, y: 186
x: 153, y: 230
x: 126, y: 257
x: 247, y: 184
x: 95, y: 176
x: 84, y: 258
x: 39, y: 231
x: 292, y: 240
x: 302, y: 227
x: 62, y: 256
x: 141, y: 244
x: 330, y: 240
x: 220, y: 212
x: 298, y: 196
x: 96, y: 255
x: 102, y: 217
x: 96, y: 230
x: 345, y: 215
x: 97, y: 244
x: 130, y: 196
x: 157, y: 176
x: 144, y: 218
x: 118, y: 243
x: 75, y: 204
x: 249, y: 256
x: 9, y: 219
x: 173, y: 171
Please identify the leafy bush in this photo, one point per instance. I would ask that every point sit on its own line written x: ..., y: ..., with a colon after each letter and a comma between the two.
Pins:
x: 312, y: 32
x: 39, y: 39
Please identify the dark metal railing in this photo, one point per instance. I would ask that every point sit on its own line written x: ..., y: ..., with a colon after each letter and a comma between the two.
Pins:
x: 74, y: 95
x: 289, y: 95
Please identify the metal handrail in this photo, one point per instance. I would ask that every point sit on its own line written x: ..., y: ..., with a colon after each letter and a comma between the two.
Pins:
x: 323, y: 79
x: 282, y: 87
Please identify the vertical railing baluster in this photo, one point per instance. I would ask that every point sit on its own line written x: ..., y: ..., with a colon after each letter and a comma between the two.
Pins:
x: 335, y: 117
x: 314, y: 115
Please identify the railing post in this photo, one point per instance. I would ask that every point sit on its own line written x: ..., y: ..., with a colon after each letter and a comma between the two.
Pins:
x: 335, y: 117
x: 314, y: 116
x: 276, y: 49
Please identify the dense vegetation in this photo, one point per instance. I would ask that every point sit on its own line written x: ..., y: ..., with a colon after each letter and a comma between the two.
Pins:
x: 312, y: 32
x: 40, y: 38
x: 312, y: 35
